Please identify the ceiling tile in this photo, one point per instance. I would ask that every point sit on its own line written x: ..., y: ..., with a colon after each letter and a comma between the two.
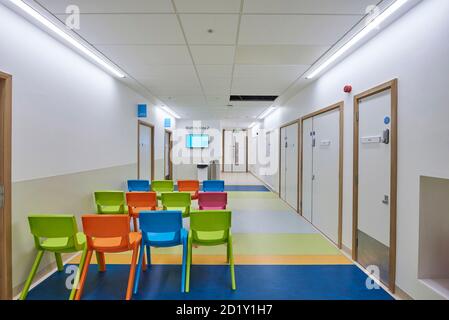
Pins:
x: 183, y: 89
x: 213, y: 54
x: 321, y: 30
x: 109, y: 6
x: 279, y: 54
x: 288, y: 72
x: 217, y: 100
x: 307, y: 6
x: 208, y: 6
x: 258, y: 86
x: 210, y: 71
x: 216, y: 86
x: 132, y: 29
x: 141, y: 58
x: 185, y: 101
x: 224, y: 28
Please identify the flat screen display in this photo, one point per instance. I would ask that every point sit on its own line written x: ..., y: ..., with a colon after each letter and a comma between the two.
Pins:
x: 194, y: 141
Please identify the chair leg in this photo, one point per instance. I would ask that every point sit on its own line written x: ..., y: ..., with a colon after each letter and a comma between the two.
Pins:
x: 148, y: 255
x: 59, y: 262
x: 84, y: 271
x: 184, y: 266
x: 227, y: 253
x: 139, y: 267
x: 231, y: 262
x: 132, y: 273
x: 101, y: 261
x: 189, y: 262
x: 33, y: 271
x: 78, y: 274
x: 135, y: 224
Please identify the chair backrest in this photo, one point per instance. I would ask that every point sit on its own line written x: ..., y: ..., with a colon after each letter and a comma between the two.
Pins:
x: 213, y: 186
x: 188, y: 185
x: 176, y: 199
x: 213, y: 200
x: 138, y: 185
x: 106, y: 226
x: 141, y: 199
x: 110, y: 201
x: 160, y: 221
x: 162, y: 186
x: 53, y: 226
x: 210, y: 221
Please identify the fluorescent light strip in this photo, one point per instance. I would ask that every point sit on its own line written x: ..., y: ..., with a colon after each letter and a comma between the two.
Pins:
x: 266, y: 113
x: 371, y: 26
x: 171, y: 112
x: 50, y: 25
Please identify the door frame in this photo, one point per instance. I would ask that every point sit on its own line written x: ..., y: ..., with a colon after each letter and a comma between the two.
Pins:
x: 341, y: 107
x: 393, y: 87
x: 223, y: 149
x: 5, y: 180
x: 298, y: 121
x: 146, y: 124
x: 170, y: 148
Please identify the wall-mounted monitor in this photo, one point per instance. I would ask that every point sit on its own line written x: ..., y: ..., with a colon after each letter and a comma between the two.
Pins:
x: 197, y: 141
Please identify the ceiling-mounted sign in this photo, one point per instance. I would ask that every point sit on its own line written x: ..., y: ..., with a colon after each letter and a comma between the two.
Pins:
x: 167, y: 123
x: 142, y: 111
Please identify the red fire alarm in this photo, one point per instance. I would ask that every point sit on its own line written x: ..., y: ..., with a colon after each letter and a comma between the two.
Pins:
x: 347, y: 89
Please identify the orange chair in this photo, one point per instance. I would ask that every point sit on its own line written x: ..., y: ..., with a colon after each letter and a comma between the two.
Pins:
x: 192, y: 186
x: 109, y: 234
x: 140, y: 201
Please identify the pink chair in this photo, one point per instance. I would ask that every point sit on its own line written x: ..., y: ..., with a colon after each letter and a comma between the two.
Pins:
x: 212, y: 200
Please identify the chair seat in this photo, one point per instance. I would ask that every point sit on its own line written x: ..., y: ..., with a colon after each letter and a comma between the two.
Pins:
x: 210, y: 237
x: 136, y: 211
x: 113, y: 210
x: 212, y: 208
x: 166, y: 239
x: 114, y: 244
x: 182, y: 209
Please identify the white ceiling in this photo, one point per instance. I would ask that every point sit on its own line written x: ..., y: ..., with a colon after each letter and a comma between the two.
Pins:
x: 258, y: 47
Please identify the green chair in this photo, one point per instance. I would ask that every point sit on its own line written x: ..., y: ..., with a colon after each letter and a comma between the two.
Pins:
x: 210, y: 228
x: 177, y: 201
x: 110, y: 202
x: 58, y: 234
x: 161, y: 186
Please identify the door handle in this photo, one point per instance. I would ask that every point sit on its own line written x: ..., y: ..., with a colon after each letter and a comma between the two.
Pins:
x: 386, y: 200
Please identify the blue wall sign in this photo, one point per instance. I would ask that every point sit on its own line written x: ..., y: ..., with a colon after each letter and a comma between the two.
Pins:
x: 142, y: 110
x: 387, y: 120
x: 167, y: 123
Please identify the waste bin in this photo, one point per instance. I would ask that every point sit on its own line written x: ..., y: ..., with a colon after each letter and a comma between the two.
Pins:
x: 214, y: 170
x: 203, y: 171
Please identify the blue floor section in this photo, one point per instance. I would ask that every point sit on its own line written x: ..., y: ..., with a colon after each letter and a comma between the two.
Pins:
x: 254, y: 188
x: 341, y: 282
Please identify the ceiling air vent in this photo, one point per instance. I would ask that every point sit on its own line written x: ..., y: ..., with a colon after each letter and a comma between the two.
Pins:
x: 253, y: 98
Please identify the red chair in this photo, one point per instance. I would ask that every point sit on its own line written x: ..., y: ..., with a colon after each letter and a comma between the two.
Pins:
x: 109, y: 234
x: 140, y: 201
x: 191, y: 186
x: 212, y: 200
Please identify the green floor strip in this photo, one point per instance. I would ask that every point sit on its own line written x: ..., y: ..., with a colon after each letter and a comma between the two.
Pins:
x: 268, y: 244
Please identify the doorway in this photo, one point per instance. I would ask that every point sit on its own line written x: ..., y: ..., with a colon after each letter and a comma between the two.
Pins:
x: 235, y: 150
x: 5, y: 186
x: 145, y: 151
x: 168, y: 164
x: 374, y: 195
x: 289, y: 164
x: 322, y: 171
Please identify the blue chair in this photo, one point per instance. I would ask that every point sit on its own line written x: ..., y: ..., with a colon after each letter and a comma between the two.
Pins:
x: 213, y: 186
x: 161, y: 229
x: 138, y: 185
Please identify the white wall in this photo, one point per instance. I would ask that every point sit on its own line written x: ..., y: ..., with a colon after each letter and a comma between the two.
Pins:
x: 71, y: 121
x: 414, y: 49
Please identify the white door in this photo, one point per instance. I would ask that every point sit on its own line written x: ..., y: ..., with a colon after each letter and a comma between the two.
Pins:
x: 374, y: 182
x: 235, y: 144
x: 167, y: 161
x: 289, y: 165
x: 326, y: 170
x: 307, y: 168
x: 145, y: 152
x: 283, y: 168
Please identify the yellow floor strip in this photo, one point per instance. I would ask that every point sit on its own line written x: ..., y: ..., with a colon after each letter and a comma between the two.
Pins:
x: 238, y: 259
